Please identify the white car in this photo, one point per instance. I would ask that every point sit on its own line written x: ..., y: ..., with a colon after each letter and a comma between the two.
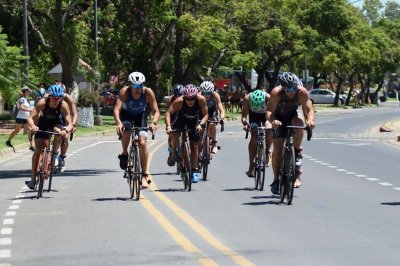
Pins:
x: 325, y: 96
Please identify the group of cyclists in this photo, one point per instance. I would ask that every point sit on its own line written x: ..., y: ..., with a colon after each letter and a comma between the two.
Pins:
x: 189, y: 107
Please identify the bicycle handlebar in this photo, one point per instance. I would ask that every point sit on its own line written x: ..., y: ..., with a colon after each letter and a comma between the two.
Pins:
x: 309, y: 130
x: 47, y: 132
x: 133, y: 129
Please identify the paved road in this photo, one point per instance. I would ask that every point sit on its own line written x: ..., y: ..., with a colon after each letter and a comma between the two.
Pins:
x: 345, y: 214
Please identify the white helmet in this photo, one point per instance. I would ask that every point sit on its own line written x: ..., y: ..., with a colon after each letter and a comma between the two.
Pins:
x: 206, y: 87
x: 136, y: 78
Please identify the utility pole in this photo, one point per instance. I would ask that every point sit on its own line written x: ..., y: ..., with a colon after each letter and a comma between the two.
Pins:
x: 97, y: 117
x: 25, y: 32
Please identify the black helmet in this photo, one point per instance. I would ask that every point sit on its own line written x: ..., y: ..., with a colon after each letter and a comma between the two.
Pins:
x: 177, y: 90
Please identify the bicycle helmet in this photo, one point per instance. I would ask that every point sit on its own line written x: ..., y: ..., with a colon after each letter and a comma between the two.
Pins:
x: 136, y: 78
x: 177, y: 90
x: 55, y: 91
x: 206, y: 87
x: 288, y: 79
x: 190, y: 91
x: 257, y: 100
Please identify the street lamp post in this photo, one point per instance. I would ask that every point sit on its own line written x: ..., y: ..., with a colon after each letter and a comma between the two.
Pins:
x: 97, y: 75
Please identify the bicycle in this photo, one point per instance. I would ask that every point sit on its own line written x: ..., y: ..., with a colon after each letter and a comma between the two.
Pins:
x: 45, y: 167
x: 205, y: 151
x: 133, y: 173
x: 184, y: 162
x: 260, y: 159
x: 287, y: 172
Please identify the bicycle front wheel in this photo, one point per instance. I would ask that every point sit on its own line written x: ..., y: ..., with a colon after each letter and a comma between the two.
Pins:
x: 188, y: 168
x: 51, y: 167
x: 43, y: 172
x: 137, y: 178
x: 289, y: 173
x: 205, y: 158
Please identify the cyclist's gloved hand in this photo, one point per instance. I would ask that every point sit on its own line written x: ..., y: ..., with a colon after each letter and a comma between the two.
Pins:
x: 153, y: 128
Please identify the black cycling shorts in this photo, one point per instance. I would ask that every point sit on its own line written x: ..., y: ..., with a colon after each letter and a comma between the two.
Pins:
x: 282, y: 131
x: 180, y: 123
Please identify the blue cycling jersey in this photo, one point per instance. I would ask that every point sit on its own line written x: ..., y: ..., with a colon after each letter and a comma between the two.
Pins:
x: 135, y: 107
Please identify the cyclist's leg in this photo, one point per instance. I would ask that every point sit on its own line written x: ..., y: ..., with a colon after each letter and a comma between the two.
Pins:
x: 268, y: 143
x: 39, y: 143
x: 297, y: 140
x: 178, y: 124
x: 194, y: 153
x: 252, y: 151
x: 212, y: 130
x: 125, y: 139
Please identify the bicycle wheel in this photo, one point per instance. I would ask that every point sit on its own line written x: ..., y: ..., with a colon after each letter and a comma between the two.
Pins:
x: 178, y: 151
x: 130, y: 174
x: 51, y: 167
x: 205, y: 158
x: 257, y: 169
x: 261, y: 168
x: 287, y: 175
x: 137, y: 177
x: 188, y: 168
x: 42, y: 176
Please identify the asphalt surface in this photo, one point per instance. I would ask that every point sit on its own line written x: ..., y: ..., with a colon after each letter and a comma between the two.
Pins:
x: 344, y: 214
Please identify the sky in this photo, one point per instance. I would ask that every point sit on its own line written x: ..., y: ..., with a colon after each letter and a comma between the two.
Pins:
x: 360, y: 3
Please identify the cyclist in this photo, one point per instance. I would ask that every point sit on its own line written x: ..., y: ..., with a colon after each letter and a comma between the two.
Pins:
x: 46, y: 117
x: 74, y: 117
x: 215, y: 107
x: 190, y: 107
x: 255, y: 107
x: 176, y: 91
x: 281, y: 111
x: 129, y: 109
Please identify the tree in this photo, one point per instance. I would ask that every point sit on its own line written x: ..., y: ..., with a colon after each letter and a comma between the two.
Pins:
x: 11, y: 61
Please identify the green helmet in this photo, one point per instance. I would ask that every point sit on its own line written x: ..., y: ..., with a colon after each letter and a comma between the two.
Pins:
x: 257, y: 100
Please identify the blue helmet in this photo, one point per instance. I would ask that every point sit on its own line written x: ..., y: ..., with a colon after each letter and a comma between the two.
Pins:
x: 177, y: 90
x: 55, y: 91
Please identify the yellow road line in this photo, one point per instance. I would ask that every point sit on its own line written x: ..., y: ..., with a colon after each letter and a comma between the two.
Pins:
x: 176, y: 234
x: 192, y: 223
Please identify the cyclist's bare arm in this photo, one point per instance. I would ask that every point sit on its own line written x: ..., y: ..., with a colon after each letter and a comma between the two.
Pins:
x: 67, y: 116
x: 72, y: 107
x: 34, y: 117
x: 271, y: 107
x: 203, y: 109
x: 175, y: 106
x: 151, y: 99
x: 245, y: 109
x: 308, y: 109
x: 220, y: 107
x: 117, y: 109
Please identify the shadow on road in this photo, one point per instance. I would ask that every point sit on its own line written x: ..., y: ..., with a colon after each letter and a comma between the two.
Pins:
x: 391, y: 203
x: 238, y: 189
x: 169, y: 173
x: 15, y: 174
x: 112, y: 199
x: 170, y: 190
x: 86, y: 172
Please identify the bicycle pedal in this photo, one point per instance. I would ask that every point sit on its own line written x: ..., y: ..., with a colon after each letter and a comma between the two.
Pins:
x: 218, y: 147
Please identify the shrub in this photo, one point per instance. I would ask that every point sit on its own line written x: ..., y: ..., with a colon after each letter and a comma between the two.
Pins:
x: 88, y: 98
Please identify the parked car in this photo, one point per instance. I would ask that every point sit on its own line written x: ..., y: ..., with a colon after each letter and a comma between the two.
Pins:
x: 108, y: 98
x: 325, y: 96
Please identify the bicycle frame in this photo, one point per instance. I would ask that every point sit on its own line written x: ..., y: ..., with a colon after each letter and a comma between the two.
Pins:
x: 133, y: 172
x: 287, y: 173
x: 45, y: 165
x: 184, y: 159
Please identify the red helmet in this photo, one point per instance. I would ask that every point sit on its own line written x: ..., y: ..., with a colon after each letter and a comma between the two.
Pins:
x: 190, y: 90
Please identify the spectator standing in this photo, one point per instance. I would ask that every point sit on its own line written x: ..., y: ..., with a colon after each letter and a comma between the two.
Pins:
x: 22, y: 117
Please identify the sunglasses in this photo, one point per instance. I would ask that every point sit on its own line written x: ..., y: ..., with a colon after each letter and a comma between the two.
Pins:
x: 137, y: 86
x: 208, y: 93
x: 190, y: 99
x: 290, y: 90
x: 55, y: 98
